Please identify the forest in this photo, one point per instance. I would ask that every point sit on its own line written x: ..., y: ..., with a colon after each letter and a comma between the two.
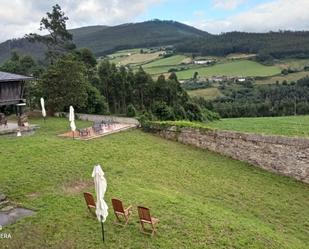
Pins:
x: 267, y: 46
x: 249, y: 100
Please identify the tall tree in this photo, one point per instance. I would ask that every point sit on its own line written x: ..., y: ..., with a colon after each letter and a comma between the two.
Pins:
x: 65, y: 84
x: 58, y: 40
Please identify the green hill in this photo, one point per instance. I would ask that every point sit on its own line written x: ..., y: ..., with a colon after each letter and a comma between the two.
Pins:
x: 104, y: 39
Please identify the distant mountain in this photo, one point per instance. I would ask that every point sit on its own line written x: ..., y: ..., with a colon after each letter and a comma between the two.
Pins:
x: 104, y: 39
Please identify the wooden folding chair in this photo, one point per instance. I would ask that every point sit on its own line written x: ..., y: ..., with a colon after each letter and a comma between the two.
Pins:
x: 121, y: 212
x: 144, y: 217
x: 90, y: 202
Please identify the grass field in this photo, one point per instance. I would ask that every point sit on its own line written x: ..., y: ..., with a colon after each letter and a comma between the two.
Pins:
x: 297, y: 64
x: 139, y: 58
x: 203, y: 200
x: 290, y: 77
x: 287, y: 126
x: 234, y: 68
x: 207, y: 93
x: 169, y: 61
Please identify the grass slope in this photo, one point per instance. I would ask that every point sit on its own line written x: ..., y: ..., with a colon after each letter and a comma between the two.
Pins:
x: 280, y: 78
x: 203, y: 200
x: 169, y: 61
x: 286, y: 126
x: 235, y: 68
x: 207, y: 93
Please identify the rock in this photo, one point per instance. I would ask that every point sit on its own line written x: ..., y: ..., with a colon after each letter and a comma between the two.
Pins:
x: 7, y: 208
x: 2, y: 197
x: 3, y: 203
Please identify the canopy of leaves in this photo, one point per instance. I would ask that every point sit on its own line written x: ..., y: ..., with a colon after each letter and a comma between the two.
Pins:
x: 64, y: 84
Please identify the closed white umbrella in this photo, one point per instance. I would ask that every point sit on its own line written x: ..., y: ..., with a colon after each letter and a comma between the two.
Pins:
x: 43, y: 108
x: 100, y: 189
x: 71, y: 114
x: 72, y: 120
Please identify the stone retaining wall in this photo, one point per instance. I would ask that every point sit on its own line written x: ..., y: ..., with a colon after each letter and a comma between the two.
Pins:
x: 284, y: 155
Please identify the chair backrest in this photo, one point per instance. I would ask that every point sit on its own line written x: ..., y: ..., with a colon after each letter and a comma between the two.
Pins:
x: 89, y: 199
x: 144, y: 213
x: 117, y: 205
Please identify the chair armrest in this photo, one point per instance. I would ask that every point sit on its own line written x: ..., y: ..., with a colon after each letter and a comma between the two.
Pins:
x: 129, y: 208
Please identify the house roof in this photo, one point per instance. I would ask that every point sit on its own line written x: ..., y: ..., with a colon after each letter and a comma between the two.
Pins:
x: 6, y: 77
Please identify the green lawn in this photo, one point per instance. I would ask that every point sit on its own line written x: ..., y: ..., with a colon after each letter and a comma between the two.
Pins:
x: 203, y: 200
x: 286, y: 126
x: 234, y: 68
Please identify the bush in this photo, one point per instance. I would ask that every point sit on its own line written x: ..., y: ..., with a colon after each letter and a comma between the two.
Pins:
x: 194, y: 112
x: 96, y: 103
x: 162, y: 111
x: 131, y: 111
x: 180, y: 112
x: 145, y: 118
x: 209, y: 116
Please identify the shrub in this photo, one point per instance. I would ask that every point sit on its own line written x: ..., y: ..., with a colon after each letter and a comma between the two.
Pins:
x: 162, y: 111
x: 180, y: 112
x: 194, y: 112
x: 209, y: 116
x: 131, y: 111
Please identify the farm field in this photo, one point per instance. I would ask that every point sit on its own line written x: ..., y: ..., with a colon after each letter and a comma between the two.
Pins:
x: 234, y: 68
x: 203, y: 200
x: 296, y: 64
x: 139, y: 58
x: 133, y: 56
x: 169, y: 61
x: 290, y: 77
x: 285, y: 126
x: 207, y: 93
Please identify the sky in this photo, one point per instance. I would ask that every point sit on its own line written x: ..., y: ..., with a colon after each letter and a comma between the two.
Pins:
x: 18, y: 17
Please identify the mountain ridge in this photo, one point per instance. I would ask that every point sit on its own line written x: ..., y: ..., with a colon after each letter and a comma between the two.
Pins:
x: 103, y: 39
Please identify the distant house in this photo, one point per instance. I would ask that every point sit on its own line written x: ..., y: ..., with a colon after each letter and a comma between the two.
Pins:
x: 241, y: 79
x: 203, y: 62
x: 12, y: 88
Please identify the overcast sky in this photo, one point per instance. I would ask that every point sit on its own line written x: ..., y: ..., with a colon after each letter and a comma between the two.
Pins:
x: 18, y: 17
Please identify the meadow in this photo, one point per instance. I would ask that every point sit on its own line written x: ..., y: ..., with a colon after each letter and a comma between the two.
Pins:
x: 207, y: 93
x: 203, y: 200
x: 280, y: 78
x: 232, y: 68
x: 169, y: 61
x: 284, y: 126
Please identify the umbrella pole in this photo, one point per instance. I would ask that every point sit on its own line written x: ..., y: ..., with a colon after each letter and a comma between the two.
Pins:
x: 102, y: 228
x: 73, y: 135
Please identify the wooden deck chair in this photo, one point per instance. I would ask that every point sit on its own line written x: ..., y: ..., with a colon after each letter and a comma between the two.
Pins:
x: 144, y: 217
x: 121, y: 212
x: 90, y: 202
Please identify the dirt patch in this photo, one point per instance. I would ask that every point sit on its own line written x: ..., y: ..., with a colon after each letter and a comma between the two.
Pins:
x: 77, y: 187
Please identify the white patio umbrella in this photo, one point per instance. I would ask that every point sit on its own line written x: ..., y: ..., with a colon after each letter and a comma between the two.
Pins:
x: 43, y: 108
x: 72, y: 120
x: 100, y: 189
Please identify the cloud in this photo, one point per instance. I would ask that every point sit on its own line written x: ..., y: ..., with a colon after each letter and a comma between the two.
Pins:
x: 18, y: 17
x: 273, y: 16
x: 227, y: 4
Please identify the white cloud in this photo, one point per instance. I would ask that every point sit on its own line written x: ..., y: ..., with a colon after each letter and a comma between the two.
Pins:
x: 272, y: 16
x: 227, y: 4
x: 18, y: 17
